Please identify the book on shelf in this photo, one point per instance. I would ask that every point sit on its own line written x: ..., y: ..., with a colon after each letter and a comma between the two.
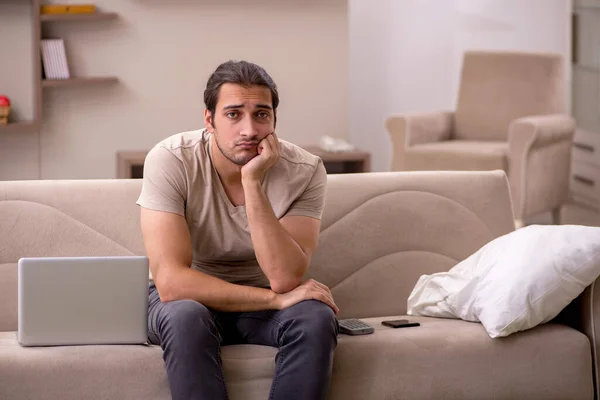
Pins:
x: 54, y: 59
x: 67, y: 9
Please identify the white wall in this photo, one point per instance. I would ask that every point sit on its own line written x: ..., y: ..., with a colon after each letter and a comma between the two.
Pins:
x: 522, y: 25
x: 342, y: 67
x: 406, y: 55
x: 163, y: 53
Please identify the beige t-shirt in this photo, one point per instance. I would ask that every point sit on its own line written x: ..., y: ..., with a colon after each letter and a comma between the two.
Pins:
x: 179, y: 177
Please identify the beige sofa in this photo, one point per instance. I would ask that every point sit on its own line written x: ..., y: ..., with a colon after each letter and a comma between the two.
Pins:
x: 380, y: 232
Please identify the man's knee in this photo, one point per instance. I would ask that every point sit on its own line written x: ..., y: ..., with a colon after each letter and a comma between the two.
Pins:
x: 187, y: 319
x: 316, y: 321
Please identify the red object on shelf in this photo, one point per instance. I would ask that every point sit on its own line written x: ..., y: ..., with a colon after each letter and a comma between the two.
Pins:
x: 4, y: 109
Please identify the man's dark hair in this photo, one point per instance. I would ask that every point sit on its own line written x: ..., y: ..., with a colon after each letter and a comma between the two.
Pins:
x: 241, y: 73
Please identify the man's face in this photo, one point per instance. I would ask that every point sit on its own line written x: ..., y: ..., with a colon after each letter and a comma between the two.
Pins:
x: 243, y: 117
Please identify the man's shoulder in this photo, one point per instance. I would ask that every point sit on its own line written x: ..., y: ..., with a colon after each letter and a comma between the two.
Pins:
x: 295, y: 156
x: 183, y: 141
x: 299, y: 182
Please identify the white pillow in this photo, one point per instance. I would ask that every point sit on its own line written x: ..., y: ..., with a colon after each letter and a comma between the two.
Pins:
x: 516, y: 281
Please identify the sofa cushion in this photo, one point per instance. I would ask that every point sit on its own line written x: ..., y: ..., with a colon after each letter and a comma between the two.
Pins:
x: 449, y: 359
x: 9, y: 297
x: 453, y: 359
x: 457, y: 155
x: 117, y: 372
x: 80, y: 372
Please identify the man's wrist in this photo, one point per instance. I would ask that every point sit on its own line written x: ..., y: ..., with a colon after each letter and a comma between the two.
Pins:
x: 251, y: 183
x: 274, y: 300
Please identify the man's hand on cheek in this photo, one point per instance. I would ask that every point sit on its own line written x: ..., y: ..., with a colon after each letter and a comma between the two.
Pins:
x: 268, y: 155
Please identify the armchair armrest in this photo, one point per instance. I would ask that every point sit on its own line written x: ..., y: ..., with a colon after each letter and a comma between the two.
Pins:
x: 541, y: 130
x: 539, y: 162
x: 416, y: 128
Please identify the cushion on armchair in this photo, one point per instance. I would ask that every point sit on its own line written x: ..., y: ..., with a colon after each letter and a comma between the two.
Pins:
x: 458, y: 155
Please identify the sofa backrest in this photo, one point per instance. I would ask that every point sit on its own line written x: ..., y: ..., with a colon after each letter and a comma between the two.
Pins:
x: 496, y: 87
x: 380, y: 231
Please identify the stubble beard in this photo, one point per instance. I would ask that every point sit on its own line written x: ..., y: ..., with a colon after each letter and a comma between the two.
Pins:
x: 240, y: 161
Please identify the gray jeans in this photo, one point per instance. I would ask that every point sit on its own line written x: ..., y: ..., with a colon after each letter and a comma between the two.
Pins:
x: 191, y: 336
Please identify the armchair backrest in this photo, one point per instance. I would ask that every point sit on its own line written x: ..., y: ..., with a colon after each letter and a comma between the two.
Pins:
x: 498, y: 87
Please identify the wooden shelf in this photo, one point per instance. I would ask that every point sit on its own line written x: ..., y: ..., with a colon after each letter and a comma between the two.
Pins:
x: 93, y: 80
x: 26, y: 126
x: 39, y: 85
x: 78, y: 17
x: 343, y: 161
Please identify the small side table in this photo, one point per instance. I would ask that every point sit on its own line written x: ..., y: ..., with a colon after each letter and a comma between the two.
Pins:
x: 130, y: 164
x: 342, y: 162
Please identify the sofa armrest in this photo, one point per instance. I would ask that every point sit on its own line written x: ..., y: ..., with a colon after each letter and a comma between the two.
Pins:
x: 590, y: 324
x: 583, y: 314
x: 539, y: 162
x: 416, y: 128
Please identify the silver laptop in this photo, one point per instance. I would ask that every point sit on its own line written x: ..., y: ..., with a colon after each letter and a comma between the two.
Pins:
x: 82, y: 300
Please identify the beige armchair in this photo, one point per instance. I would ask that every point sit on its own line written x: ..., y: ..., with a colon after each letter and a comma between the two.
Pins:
x: 509, y: 116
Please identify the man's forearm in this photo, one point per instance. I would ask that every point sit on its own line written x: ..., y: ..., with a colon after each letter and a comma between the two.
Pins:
x: 183, y: 283
x: 281, y: 258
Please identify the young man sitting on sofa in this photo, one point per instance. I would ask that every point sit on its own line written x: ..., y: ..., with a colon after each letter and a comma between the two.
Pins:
x: 230, y: 217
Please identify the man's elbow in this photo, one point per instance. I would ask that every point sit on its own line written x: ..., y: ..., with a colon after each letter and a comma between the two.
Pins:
x: 165, y: 290
x: 287, y: 281
x: 281, y: 286
x: 165, y: 294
